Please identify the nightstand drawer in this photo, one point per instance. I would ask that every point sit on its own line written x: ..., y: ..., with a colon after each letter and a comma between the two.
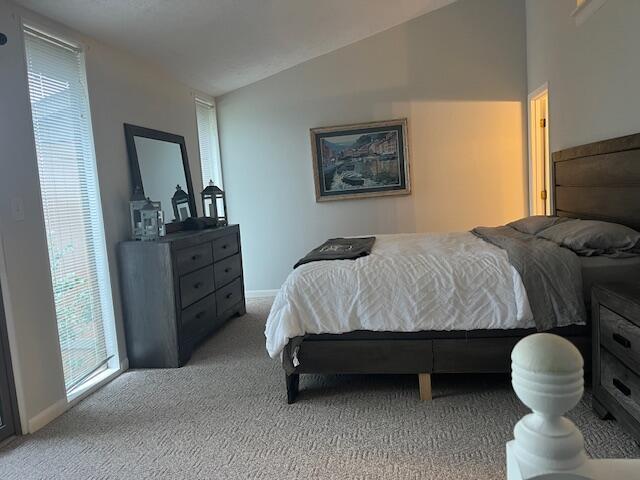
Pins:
x: 620, y: 382
x: 620, y: 336
x: 196, y: 285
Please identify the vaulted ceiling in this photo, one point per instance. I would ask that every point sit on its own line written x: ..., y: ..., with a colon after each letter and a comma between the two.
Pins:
x: 219, y: 45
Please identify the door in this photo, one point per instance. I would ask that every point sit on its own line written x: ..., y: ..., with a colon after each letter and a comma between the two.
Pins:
x: 8, y: 412
x: 539, y: 165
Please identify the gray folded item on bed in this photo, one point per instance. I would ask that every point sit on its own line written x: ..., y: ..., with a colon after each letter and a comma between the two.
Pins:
x: 339, y: 249
x: 551, y: 275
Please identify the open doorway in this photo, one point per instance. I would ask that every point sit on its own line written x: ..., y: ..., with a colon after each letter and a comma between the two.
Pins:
x: 539, y: 165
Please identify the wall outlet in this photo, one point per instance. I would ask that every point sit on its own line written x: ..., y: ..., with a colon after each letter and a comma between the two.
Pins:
x: 17, y: 209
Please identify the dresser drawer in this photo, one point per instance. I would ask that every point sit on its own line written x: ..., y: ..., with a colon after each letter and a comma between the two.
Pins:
x: 620, y: 336
x: 225, y: 247
x: 196, y: 285
x: 228, y: 296
x: 227, y: 269
x: 193, y: 258
x: 198, y: 316
x: 620, y: 382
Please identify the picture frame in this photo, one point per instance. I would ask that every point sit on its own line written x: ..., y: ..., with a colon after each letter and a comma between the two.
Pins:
x: 361, y: 160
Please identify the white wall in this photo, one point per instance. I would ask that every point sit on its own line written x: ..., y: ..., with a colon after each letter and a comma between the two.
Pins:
x: 122, y: 89
x: 457, y: 74
x: 593, y: 69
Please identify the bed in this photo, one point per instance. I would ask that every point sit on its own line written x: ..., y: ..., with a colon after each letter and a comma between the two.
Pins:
x: 598, y: 181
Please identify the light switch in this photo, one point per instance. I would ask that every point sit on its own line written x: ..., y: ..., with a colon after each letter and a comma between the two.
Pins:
x: 17, y: 209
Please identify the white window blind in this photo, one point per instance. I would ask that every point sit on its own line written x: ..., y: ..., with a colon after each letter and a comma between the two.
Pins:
x: 209, y: 148
x: 71, y: 204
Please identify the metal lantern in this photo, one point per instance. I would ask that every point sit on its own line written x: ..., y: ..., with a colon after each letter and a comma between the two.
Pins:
x: 138, y: 201
x: 151, y: 225
x: 180, y: 202
x: 214, y: 204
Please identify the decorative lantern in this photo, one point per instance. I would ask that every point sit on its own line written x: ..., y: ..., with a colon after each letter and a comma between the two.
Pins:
x: 151, y: 224
x: 214, y: 204
x: 180, y: 202
x: 138, y: 201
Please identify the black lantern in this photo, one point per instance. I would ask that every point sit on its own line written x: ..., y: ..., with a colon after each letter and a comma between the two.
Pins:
x: 180, y: 202
x: 214, y: 204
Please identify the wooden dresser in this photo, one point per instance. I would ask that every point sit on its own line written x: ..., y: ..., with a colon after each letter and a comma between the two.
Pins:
x: 616, y: 353
x: 177, y: 290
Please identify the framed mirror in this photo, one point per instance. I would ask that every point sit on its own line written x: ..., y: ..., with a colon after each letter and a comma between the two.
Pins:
x: 160, y: 170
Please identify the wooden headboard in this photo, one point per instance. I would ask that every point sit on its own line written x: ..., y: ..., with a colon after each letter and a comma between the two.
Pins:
x: 599, y: 181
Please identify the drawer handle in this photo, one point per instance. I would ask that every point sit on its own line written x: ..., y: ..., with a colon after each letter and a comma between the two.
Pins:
x: 224, y: 247
x: 626, y: 391
x: 197, y: 285
x: 199, y: 315
x: 195, y: 257
x: 229, y: 295
x: 621, y: 340
x: 227, y: 270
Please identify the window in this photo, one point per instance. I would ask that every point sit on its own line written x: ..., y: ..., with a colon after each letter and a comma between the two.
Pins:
x: 71, y: 204
x: 208, y: 139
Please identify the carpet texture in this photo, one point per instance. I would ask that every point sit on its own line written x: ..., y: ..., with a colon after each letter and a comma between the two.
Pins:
x: 224, y: 416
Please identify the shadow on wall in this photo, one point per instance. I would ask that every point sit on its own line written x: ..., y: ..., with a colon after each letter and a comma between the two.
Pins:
x: 458, y: 74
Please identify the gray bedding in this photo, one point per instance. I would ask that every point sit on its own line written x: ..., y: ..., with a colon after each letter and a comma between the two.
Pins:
x: 339, y: 249
x: 551, y: 275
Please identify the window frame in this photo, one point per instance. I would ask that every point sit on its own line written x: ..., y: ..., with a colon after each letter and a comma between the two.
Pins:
x: 113, y: 365
x: 215, y: 141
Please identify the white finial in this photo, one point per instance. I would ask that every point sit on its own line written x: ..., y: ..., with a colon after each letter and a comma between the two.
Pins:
x: 547, y: 353
x: 547, y: 375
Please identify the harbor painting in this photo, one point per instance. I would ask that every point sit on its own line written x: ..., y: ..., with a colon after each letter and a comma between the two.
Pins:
x: 363, y: 160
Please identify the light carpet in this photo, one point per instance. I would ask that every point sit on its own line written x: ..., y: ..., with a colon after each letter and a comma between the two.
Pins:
x: 224, y: 416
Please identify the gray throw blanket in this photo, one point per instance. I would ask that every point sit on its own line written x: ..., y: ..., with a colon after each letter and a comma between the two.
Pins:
x: 551, y: 275
x: 339, y: 249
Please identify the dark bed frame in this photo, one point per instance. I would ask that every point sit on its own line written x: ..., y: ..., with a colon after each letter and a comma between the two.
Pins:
x: 598, y: 181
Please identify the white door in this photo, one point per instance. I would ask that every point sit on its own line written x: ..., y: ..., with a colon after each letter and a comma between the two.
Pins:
x: 539, y: 165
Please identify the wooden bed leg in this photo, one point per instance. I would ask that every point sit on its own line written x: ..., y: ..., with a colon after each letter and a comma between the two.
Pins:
x: 293, y: 384
x: 424, y: 379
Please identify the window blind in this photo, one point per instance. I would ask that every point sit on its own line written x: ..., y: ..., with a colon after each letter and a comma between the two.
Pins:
x: 208, y: 140
x: 71, y: 204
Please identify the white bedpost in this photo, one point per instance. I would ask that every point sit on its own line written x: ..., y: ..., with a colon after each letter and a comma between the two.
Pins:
x: 547, y: 376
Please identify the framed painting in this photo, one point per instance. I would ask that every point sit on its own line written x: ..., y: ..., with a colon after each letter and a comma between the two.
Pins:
x: 361, y: 160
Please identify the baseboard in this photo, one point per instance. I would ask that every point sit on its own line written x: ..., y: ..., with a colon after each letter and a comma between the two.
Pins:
x: 47, y: 415
x: 52, y: 412
x: 260, y: 293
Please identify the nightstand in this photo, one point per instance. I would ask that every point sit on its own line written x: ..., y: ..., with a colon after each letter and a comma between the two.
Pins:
x: 616, y: 353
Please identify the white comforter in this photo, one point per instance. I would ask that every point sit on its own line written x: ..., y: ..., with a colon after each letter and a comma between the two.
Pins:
x: 409, y: 283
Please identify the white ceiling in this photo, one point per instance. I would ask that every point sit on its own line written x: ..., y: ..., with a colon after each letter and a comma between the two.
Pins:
x: 219, y: 45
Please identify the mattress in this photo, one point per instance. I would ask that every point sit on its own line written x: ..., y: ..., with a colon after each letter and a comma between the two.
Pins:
x: 409, y: 283
x: 600, y: 269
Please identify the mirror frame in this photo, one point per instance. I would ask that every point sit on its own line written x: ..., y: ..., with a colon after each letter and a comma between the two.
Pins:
x: 132, y: 131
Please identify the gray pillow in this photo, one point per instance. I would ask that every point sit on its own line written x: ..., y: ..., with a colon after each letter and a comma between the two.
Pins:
x: 535, y: 223
x: 592, y: 237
